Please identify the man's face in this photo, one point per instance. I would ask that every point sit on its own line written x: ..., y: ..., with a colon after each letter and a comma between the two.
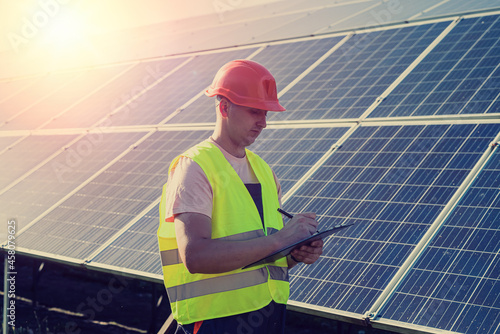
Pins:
x: 245, y: 124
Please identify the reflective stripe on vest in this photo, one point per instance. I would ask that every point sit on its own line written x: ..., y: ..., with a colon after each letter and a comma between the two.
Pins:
x: 226, y: 283
x: 240, y: 290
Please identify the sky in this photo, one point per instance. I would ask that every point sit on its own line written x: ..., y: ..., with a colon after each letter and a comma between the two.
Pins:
x: 60, y: 21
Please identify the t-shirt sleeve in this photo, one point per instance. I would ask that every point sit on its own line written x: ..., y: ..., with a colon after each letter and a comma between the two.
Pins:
x: 188, y: 190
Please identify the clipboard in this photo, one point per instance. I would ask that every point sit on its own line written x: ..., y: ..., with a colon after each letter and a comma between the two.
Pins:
x: 287, y: 250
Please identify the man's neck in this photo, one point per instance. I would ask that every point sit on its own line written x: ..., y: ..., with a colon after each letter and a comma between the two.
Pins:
x: 234, y: 150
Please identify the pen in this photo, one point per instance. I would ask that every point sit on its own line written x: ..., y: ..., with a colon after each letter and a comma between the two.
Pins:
x: 285, y: 213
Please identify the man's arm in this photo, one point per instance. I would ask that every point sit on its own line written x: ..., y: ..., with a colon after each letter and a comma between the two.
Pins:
x: 202, y: 254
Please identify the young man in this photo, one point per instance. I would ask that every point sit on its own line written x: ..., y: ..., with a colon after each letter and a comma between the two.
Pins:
x: 219, y: 214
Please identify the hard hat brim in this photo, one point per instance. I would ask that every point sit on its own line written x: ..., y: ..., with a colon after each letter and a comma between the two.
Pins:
x: 248, y: 102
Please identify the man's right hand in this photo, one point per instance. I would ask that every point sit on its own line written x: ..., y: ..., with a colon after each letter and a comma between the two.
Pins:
x: 301, y: 226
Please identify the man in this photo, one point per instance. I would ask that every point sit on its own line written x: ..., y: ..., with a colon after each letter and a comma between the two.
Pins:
x: 219, y: 214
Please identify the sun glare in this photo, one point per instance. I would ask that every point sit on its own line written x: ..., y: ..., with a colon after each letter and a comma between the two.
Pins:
x: 65, y: 31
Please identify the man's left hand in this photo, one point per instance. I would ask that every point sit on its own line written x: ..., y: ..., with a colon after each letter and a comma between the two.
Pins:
x: 309, y: 253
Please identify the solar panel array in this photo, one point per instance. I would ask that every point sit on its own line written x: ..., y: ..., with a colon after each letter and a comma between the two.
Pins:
x: 393, y: 129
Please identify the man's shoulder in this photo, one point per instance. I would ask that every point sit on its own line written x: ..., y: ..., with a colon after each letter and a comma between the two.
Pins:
x: 200, y: 148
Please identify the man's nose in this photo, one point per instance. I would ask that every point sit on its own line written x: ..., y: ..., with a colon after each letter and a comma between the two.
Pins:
x: 262, y: 122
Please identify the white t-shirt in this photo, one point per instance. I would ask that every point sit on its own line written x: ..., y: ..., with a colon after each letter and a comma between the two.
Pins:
x: 188, y: 188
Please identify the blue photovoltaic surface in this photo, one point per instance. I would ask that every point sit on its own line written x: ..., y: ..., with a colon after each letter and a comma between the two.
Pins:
x: 289, y: 152
x: 96, y: 212
x: 62, y: 174
x: 292, y: 152
x: 351, y: 78
x: 137, y: 248
x: 461, y: 75
x: 178, y: 88
x: 392, y: 182
x: 284, y: 61
x: 455, y: 284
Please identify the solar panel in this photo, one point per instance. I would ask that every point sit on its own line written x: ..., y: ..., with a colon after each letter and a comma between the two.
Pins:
x: 136, y: 248
x: 177, y: 89
x: 359, y: 15
x: 454, y: 285
x: 113, y: 95
x: 58, y: 177
x: 460, y: 6
x: 34, y: 94
x: 284, y: 61
x: 27, y: 153
x: 461, y: 75
x: 10, y: 88
x: 350, y: 80
x: 292, y: 152
x: 6, y: 142
x: 84, y: 221
x: 391, y: 182
x: 65, y: 97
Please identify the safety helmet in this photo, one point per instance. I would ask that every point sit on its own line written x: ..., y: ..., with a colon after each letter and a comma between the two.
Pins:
x: 246, y: 83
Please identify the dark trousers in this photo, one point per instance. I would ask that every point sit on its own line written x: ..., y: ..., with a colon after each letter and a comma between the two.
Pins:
x: 267, y: 320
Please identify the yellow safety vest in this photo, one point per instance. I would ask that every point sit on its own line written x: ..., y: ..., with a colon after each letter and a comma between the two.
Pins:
x: 195, y: 297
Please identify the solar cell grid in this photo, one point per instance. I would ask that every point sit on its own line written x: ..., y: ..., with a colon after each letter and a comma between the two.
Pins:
x: 284, y: 61
x: 113, y: 96
x: 41, y: 89
x: 387, y: 181
x: 177, y: 89
x: 83, y: 222
x: 10, y: 88
x: 292, y: 152
x: 454, y: 285
x: 460, y: 6
x: 42, y: 112
x: 350, y: 80
x: 460, y: 76
x: 136, y: 248
x: 52, y: 181
x: 5, y: 142
x: 27, y: 154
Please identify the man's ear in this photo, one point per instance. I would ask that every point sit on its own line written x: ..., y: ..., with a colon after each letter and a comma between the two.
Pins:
x: 224, y: 107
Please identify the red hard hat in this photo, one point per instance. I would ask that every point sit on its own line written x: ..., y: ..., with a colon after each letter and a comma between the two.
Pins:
x: 246, y: 83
